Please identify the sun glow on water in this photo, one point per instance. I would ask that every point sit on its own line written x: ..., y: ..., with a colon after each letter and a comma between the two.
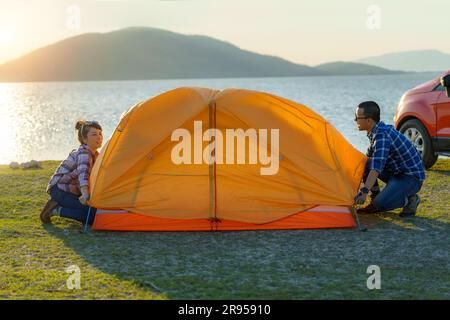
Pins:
x: 7, y: 124
x: 37, y: 120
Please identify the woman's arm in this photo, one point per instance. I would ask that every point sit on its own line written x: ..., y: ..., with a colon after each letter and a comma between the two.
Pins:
x: 84, y: 163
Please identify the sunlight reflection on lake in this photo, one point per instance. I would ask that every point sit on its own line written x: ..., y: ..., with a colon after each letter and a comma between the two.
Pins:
x: 38, y: 119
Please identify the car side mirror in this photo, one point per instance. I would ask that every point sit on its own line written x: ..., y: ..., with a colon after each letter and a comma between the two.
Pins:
x: 445, y: 82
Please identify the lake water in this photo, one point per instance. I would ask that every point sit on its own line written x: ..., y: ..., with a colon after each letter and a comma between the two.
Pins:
x: 38, y: 119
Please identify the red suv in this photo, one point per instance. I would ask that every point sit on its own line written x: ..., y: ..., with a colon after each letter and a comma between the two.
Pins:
x: 423, y: 116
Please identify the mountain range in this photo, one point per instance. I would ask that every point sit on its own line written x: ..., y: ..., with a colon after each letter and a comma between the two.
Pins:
x: 149, y: 53
x: 416, y: 61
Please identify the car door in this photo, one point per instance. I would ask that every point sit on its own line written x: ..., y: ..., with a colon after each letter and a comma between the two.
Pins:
x: 443, y: 121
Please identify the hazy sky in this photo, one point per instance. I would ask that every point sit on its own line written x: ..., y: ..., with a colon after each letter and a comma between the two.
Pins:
x: 308, y: 32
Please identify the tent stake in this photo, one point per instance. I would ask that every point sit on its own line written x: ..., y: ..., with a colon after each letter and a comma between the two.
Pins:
x: 355, y: 214
x: 87, y: 220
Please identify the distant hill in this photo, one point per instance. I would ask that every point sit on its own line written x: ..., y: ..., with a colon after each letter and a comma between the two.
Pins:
x: 417, y: 61
x: 352, y: 68
x: 148, y: 53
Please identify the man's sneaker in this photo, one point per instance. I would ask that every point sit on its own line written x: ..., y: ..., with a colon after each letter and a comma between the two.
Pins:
x: 370, y: 208
x: 45, y: 213
x: 411, y: 207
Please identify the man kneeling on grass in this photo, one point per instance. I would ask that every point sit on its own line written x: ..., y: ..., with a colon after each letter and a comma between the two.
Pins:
x: 394, y: 160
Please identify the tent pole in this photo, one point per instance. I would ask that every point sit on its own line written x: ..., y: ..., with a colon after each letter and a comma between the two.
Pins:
x: 87, y: 220
x: 212, y: 170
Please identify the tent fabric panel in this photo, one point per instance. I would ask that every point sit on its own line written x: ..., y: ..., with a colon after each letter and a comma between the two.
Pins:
x: 316, y: 218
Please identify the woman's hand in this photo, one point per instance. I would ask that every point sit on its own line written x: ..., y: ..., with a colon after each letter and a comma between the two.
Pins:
x: 84, y: 195
x: 83, y: 199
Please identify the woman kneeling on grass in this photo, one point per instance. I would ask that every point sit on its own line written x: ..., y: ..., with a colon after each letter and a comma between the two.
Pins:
x: 69, y: 185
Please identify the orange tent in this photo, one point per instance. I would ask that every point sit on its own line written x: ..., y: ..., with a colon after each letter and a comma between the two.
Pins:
x: 203, y: 159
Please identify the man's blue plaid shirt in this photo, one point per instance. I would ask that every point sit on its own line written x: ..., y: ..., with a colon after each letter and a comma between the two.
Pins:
x: 391, y: 151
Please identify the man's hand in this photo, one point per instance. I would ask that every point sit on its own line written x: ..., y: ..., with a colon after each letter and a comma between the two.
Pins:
x: 360, y: 198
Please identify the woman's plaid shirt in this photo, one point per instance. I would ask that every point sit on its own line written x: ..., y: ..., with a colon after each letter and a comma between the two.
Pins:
x: 73, y: 173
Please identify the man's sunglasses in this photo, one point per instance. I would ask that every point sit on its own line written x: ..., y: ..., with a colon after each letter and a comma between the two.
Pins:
x: 357, y: 118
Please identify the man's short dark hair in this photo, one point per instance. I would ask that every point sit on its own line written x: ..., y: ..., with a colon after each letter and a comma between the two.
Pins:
x: 371, y: 110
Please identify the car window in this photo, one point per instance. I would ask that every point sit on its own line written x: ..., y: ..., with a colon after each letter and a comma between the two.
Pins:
x: 438, y: 88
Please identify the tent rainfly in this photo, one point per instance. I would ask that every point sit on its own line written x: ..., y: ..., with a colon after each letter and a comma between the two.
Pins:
x: 195, y: 159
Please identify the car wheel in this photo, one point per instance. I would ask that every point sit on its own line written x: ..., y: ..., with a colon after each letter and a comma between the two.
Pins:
x: 416, y: 133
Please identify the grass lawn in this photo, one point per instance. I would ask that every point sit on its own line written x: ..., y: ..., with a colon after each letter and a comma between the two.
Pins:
x: 413, y: 254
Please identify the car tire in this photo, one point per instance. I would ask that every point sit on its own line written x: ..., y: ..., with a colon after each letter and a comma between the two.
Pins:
x: 415, y: 131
